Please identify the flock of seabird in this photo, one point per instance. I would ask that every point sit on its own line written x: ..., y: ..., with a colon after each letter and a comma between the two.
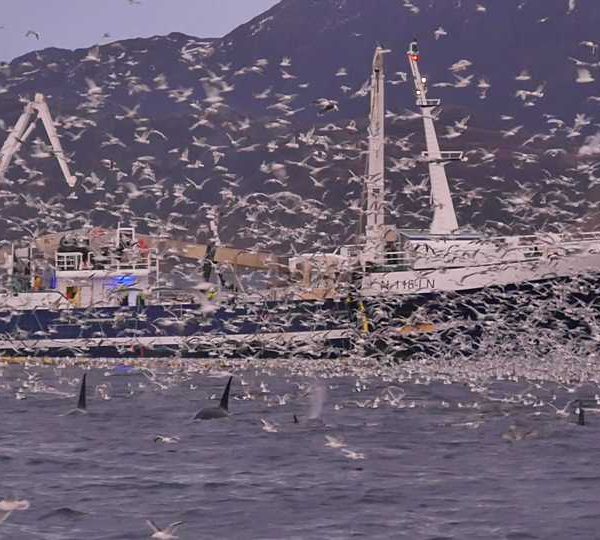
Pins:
x: 206, y: 150
x: 487, y: 400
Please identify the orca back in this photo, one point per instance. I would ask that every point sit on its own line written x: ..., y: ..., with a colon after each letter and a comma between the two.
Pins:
x: 222, y: 411
x: 81, y: 404
x: 211, y: 413
x: 224, y: 404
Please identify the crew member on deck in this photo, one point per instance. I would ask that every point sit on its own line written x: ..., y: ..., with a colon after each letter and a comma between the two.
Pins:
x: 38, y: 283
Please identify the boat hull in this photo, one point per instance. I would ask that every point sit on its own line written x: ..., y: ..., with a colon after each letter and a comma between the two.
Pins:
x: 397, y: 326
x: 187, y: 329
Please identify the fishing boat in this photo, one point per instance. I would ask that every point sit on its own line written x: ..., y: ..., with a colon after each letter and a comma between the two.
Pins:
x: 100, y: 292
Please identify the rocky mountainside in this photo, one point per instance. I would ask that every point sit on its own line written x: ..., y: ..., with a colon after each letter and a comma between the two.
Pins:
x: 497, y: 48
x: 176, y: 132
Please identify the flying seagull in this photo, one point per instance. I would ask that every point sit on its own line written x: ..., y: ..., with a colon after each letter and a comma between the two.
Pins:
x: 168, y: 533
x: 326, y: 105
x: 8, y: 506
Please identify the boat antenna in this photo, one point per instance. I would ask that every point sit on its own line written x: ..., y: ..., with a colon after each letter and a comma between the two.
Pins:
x: 444, y: 217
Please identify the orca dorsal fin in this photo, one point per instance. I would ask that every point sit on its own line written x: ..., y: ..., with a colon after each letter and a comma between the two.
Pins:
x: 225, y: 397
x: 81, y: 405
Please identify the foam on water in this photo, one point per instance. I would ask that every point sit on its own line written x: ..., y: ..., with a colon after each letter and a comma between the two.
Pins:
x: 414, y: 450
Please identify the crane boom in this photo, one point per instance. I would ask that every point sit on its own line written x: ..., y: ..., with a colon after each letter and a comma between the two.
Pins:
x: 38, y: 108
x: 15, y: 138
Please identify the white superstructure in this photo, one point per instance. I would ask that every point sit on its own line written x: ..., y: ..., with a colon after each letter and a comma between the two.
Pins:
x: 94, y: 269
x: 444, y: 258
x: 391, y: 261
x: 444, y: 217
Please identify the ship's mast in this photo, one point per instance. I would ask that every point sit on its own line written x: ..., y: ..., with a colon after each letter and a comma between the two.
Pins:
x: 375, y: 180
x: 444, y: 216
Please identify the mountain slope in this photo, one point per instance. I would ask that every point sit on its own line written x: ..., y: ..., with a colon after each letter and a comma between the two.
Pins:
x: 173, y: 130
x: 499, y: 39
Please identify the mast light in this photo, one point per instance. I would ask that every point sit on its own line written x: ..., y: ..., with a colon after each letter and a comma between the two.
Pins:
x: 415, y: 57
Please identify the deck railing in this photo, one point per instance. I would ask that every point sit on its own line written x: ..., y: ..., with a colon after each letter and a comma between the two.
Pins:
x: 78, y: 261
x: 69, y: 261
x: 485, y: 250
